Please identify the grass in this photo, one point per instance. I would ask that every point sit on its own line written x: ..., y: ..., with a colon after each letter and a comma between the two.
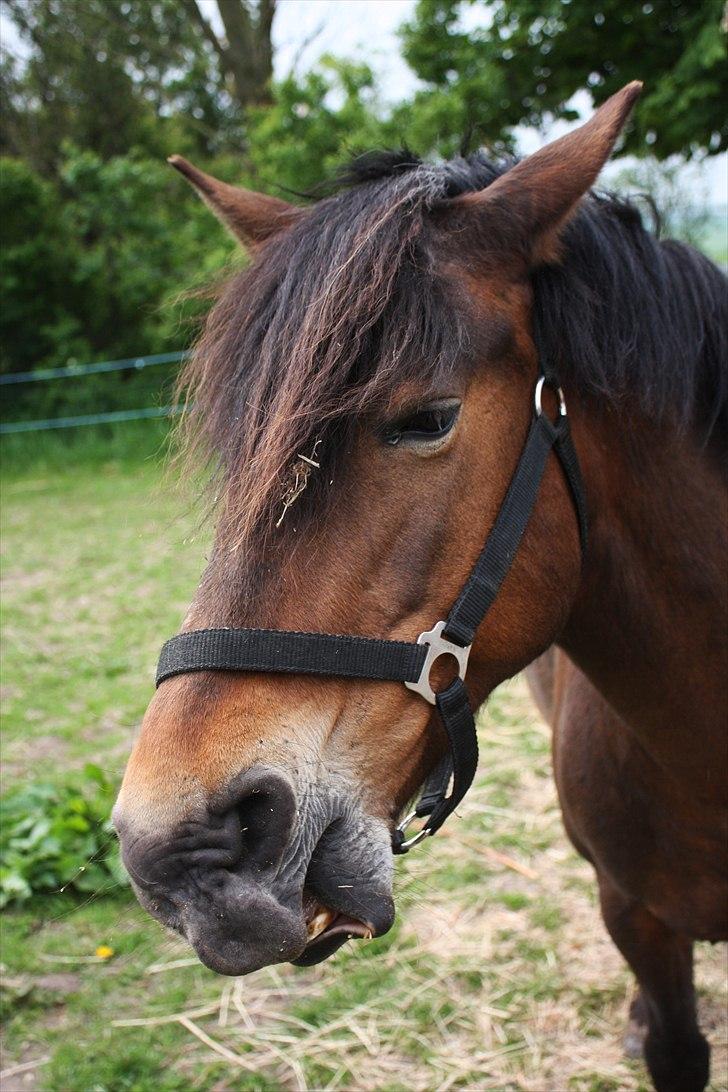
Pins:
x: 498, y: 973
x: 98, y: 566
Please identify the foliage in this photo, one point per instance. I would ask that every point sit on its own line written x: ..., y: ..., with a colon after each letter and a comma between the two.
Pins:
x: 102, y: 264
x: 40, y: 315
x: 53, y: 837
x: 526, y: 59
x: 115, y: 75
x: 77, y: 83
x: 104, y: 249
x: 142, y: 236
x: 314, y: 125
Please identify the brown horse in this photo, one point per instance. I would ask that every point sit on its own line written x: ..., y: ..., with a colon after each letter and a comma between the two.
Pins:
x: 365, y: 388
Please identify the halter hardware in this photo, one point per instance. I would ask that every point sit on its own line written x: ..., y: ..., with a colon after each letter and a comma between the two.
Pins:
x: 437, y: 646
x: 349, y: 656
x: 538, y: 393
x: 406, y: 844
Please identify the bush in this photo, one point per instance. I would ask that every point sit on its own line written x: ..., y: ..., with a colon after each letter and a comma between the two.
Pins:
x: 314, y: 126
x: 41, y: 303
x: 109, y: 261
x: 58, y: 837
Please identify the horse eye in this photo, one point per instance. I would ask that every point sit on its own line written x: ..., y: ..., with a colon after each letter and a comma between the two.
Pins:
x: 423, y: 425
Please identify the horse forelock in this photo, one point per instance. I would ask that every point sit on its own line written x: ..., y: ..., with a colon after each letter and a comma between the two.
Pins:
x: 324, y: 329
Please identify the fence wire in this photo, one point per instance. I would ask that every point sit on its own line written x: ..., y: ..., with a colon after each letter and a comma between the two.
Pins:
x: 73, y: 371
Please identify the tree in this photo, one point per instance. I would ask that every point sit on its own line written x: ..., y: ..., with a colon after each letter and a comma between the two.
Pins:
x: 314, y: 124
x: 245, y: 53
x: 95, y: 266
x: 40, y: 299
x: 110, y: 75
x: 528, y: 58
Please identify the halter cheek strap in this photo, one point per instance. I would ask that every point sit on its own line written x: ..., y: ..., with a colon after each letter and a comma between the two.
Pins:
x: 348, y: 656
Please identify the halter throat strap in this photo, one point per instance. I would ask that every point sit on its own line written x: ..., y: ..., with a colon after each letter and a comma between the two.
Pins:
x: 353, y: 657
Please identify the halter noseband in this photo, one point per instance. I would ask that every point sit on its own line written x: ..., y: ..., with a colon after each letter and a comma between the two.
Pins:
x: 351, y: 657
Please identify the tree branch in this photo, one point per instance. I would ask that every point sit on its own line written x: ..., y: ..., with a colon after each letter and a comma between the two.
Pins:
x: 245, y: 51
x: 264, y: 28
x: 196, y: 15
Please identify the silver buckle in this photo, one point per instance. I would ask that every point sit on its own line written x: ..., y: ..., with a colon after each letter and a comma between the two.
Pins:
x: 437, y: 646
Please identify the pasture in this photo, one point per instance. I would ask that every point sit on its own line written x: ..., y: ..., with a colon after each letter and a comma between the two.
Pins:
x: 498, y: 973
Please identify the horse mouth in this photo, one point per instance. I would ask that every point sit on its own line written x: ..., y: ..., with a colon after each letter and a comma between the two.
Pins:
x: 327, y: 930
x: 327, y: 923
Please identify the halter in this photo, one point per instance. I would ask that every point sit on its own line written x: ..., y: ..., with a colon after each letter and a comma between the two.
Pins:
x: 351, y: 657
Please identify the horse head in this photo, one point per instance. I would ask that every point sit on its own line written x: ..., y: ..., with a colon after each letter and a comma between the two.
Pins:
x: 365, y: 388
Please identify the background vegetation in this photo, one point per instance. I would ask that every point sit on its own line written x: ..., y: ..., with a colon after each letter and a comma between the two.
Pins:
x: 102, y: 242
x: 499, y: 970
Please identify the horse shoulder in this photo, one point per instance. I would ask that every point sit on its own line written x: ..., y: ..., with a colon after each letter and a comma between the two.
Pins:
x: 664, y: 848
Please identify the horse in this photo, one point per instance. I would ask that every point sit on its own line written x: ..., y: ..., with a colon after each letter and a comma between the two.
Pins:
x: 363, y: 390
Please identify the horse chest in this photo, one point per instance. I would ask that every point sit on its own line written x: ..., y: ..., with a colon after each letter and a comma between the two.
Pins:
x: 662, y: 844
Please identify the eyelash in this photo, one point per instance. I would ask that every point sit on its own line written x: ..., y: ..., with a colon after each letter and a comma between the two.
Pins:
x: 427, y: 424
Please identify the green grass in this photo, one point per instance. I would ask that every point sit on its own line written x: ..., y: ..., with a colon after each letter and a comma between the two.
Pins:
x: 32, y: 453
x: 99, y: 561
x: 497, y: 973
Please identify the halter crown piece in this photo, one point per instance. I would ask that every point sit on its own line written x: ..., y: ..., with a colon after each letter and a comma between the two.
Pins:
x: 353, y: 657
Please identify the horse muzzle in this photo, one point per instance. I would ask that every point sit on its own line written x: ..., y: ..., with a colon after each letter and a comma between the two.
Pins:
x: 236, y: 881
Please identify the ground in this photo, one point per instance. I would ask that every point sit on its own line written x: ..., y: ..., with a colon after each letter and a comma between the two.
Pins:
x: 497, y: 975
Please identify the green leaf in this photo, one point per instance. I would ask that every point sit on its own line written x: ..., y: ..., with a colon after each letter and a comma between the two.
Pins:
x: 95, y: 773
x: 56, y: 836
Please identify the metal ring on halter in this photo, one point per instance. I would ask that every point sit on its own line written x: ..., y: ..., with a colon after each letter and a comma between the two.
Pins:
x: 416, y: 838
x: 539, y: 391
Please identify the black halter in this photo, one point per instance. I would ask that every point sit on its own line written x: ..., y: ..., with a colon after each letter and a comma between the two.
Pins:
x: 402, y: 661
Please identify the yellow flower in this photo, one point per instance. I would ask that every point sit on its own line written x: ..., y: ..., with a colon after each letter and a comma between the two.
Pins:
x: 104, y: 952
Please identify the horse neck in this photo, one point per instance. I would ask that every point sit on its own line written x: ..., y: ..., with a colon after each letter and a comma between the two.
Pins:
x: 648, y: 623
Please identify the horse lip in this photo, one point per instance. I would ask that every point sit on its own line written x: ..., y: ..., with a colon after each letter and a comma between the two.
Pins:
x: 324, y: 921
x: 343, y: 925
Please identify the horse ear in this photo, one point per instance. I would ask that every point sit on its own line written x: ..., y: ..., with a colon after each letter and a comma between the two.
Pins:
x: 530, y: 203
x: 251, y: 217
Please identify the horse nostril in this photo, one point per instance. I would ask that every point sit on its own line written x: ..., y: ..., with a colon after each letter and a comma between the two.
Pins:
x: 265, y: 805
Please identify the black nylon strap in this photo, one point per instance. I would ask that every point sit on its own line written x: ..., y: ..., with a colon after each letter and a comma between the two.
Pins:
x: 290, y: 653
x: 436, y: 786
x: 496, y: 557
x: 454, y: 707
x: 564, y: 444
x: 572, y: 472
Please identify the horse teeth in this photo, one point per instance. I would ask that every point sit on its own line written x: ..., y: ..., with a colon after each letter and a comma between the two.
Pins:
x: 319, y: 922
